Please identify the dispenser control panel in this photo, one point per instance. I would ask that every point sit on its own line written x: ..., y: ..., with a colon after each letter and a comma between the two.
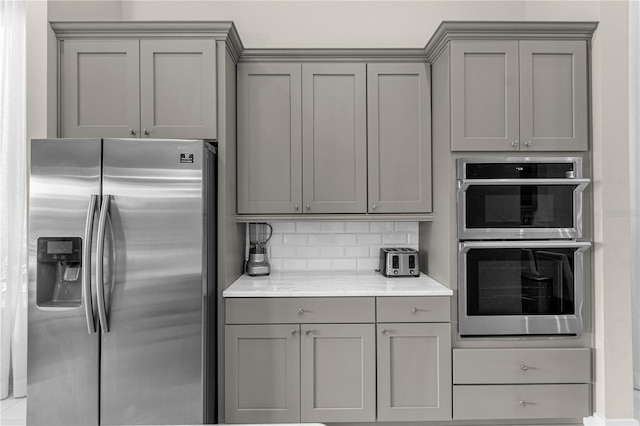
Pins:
x: 55, y: 249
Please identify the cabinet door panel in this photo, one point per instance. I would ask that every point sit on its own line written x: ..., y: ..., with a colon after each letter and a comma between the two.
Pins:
x: 338, y: 373
x: 414, y: 372
x: 262, y: 373
x: 334, y: 138
x: 553, y: 95
x: 484, y: 95
x: 269, y: 138
x: 100, y: 91
x: 178, y: 88
x: 399, y: 138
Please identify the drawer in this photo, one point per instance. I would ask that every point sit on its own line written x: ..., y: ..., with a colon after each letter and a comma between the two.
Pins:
x: 300, y: 310
x: 556, y: 365
x: 414, y: 309
x: 477, y: 402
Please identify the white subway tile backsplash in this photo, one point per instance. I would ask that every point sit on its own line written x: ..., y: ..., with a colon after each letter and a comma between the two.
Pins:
x: 356, y: 227
x: 369, y: 239
x: 357, y: 251
x: 336, y: 246
x: 295, y: 239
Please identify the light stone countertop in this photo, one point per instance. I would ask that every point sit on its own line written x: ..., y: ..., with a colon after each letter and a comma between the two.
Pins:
x: 334, y: 284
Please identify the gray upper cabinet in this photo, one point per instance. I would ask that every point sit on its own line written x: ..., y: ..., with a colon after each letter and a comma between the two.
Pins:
x: 269, y: 138
x: 100, y: 85
x: 399, y: 138
x: 334, y: 140
x: 138, y: 88
x: 527, y: 95
x: 178, y: 88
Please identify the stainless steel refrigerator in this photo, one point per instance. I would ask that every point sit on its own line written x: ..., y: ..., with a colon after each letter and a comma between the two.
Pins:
x: 122, y: 250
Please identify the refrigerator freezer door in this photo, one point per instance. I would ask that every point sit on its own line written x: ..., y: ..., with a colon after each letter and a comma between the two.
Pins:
x: 63, y: 358
x: 151, y: 364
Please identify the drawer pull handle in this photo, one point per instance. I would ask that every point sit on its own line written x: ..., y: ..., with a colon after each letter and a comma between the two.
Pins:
x: 523, y: 403
x: 524, y: 368
x: 300, y: 311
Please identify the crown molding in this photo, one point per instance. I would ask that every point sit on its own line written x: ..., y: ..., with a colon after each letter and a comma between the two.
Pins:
x: 332, y: 55
x: 521, y: 30
x: 221, y: 30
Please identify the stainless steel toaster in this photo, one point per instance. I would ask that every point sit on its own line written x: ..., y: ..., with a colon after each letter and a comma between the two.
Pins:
x: 399, y: 262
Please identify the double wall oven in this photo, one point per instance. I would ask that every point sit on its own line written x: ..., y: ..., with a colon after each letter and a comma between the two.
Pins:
x: 521, y: 257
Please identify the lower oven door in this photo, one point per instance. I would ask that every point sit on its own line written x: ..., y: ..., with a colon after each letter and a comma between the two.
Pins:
x: 520, y: 287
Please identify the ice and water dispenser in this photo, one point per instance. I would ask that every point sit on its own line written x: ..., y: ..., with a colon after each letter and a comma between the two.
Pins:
x: 59, y: 276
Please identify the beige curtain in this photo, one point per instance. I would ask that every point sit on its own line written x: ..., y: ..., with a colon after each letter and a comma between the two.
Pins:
x: 13, y: 190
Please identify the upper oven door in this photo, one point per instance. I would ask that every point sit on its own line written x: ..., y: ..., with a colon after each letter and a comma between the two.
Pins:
x: 519, y: 200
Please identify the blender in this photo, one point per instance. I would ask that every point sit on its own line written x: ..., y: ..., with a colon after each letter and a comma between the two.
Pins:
x: 258, y: 262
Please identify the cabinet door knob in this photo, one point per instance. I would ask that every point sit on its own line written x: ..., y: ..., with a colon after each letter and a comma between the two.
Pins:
x: 308, y: 207
x: 524, y: 368
x: 146, y: 132
x: 307, y: 332
x: 527, y: 144
x: 373, y: 207
x: 522, y: 403
x: 293, y: 332
x: 132, y: 132
x: 295, y: 207
x: 514, y: 144
x: 414, y: 310
x: 300, y: 311
x: 385, y: 331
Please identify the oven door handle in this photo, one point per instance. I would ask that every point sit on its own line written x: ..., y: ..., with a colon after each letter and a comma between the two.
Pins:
x: 465, y: 246
x: 580, y: 184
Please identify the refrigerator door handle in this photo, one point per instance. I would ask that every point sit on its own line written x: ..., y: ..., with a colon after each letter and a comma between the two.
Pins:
x: 102, y: 225
x: 86, y: 267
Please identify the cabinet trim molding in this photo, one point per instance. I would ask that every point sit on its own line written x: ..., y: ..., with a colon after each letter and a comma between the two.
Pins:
x: 333, y: 55
x: 222, y: 30
x: 521, y: 30
x: 372, y: 217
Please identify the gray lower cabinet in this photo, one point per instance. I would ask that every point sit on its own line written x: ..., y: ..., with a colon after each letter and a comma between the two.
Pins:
x: 522, y: 95
x: 414, y: 371
x: 262, y: 373
x: 138, y: 88
x: 544, y: 383
x: 399, y: 137
x: 338, y: 373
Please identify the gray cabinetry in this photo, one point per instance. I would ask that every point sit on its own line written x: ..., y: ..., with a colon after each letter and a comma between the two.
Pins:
x: 414, y: 371
x: 338, y: 379
x: 521, y: 383
x: 399, y: 137
x: 269, y: 138
x: 138, y: 88
x: 262, y: 374
x: 527, y: 95
x: 334, y: 136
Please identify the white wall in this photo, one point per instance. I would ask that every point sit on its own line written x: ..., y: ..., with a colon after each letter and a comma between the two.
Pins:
x: 287, y: 24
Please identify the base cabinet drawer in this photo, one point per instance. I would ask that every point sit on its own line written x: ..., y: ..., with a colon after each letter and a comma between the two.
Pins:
x: 521, y: 366
x: 483, y: 402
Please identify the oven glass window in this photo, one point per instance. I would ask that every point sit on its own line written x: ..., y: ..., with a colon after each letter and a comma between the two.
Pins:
x: 519, y: 281
x: 519, y: 206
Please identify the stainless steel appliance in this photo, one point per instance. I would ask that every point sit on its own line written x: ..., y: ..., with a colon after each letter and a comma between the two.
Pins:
x: 399, y: 262
x: 122, y: 278
x: 521, y: 267
x: 520, y: 198
x: 258, y: 262
x: 521, y: 287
